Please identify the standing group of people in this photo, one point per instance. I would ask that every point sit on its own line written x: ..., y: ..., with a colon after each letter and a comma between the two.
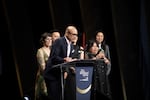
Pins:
x: 65, y: 49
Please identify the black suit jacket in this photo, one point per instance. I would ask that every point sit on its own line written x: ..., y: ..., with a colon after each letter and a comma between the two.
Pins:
x: 58, y: 53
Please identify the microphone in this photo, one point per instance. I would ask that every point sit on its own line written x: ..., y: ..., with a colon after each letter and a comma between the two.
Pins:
x: 81, y: 50
x: 100, y: 50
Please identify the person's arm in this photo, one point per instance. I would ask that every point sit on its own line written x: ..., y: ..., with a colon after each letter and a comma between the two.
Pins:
x: 104, y: 55
x: 107, y: 55
x: 82, y: 52
x: 57, y: 52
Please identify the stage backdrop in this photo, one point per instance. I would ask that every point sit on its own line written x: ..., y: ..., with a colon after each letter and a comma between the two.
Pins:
x: 126, y: 29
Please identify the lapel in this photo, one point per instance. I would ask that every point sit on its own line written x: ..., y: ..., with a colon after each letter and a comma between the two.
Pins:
x: 65, y: 46
x: 71, y: 51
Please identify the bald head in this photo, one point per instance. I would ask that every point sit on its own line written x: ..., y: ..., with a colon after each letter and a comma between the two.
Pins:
x: 71, y: 33
x: 71, y: 29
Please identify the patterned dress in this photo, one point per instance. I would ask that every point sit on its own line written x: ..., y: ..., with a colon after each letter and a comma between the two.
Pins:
x: 40, y: 86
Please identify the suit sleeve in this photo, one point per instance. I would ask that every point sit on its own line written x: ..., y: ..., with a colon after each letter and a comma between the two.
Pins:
x: 57, y: 54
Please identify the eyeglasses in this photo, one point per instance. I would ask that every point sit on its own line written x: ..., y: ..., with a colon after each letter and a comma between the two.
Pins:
x: 74, y: 34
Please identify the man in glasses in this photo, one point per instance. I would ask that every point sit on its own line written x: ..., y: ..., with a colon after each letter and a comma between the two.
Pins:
x: 61, y: 52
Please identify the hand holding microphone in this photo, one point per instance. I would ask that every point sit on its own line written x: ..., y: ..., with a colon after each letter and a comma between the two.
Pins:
x: 100, y: 54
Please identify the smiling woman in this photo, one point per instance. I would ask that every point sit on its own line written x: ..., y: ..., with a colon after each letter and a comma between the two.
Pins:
x: 42, y: 56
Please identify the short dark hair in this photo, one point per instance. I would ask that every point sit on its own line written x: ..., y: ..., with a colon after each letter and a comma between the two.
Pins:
x: 99, y: 30
x: 55, y: 30
x: 90, y: 43
x: 44, y: 36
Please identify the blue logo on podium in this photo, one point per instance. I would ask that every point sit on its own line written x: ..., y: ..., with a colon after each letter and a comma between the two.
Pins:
x: 83, y: 82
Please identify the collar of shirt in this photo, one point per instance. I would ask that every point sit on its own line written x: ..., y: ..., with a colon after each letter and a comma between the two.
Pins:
x: 68, y: 42
x: 99, y: 45
x: 68, y: 47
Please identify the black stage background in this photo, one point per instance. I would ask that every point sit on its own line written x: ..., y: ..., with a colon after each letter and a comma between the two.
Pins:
x: 125, y: 22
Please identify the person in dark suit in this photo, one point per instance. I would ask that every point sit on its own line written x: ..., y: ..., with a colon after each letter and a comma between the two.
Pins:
x: 70, y: 81
x: 60, y: 52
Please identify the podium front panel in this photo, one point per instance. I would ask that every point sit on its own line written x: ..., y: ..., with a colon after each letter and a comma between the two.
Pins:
x: 83, y: 82
x: 87, y: 74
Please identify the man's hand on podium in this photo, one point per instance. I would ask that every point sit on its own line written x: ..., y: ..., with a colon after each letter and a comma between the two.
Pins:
x: 69, y: 59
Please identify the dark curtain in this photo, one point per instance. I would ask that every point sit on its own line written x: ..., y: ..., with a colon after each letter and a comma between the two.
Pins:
x: 125, y: 23
x: 145, y: 47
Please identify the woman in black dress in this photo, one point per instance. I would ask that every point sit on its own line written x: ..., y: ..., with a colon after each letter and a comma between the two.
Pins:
x: 101, y: 88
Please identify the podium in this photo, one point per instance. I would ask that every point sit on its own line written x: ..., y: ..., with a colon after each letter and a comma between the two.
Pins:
x: 86, y: 78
